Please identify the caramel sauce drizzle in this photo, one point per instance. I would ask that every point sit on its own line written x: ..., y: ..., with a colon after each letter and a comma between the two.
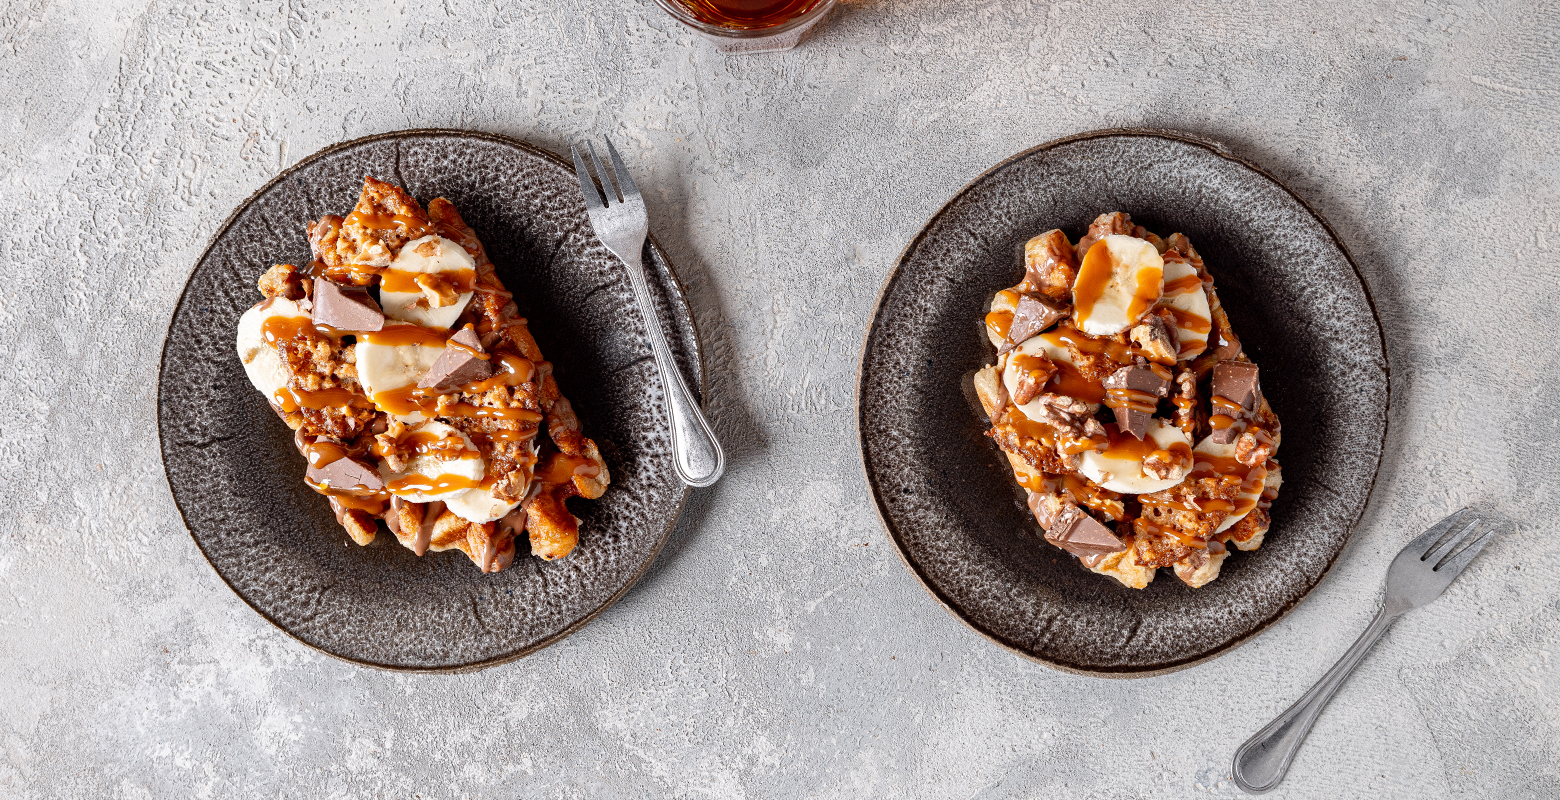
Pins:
x: 1186, y: 320
x: 1132, y: 399
x: 463, y: 281
x: 417, y: 482
x: 401, y: 334
x: 411, y: 227
x: 1183, y: 284
x: 289, y: 399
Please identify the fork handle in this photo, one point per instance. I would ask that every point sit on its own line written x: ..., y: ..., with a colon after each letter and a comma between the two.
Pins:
x: 1261, y: 762
x: 696, y: 453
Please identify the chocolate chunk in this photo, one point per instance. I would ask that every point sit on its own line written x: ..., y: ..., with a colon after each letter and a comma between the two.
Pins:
x: 458, y: 365
x: 1133, y: 422
x: 1130, y: 420
x: 347, y: 475
x: 1035, y: 313
x: 1225, y: 435
x: 1236, y: 381
x: 347, y: 308
x: 1045, y: 507
x: 1138, y: 379
x: 1082, y: 535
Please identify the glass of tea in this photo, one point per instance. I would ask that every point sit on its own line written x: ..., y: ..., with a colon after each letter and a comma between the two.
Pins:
x: 750, y: 26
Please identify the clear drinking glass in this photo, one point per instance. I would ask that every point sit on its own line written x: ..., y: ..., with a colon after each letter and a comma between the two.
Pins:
x: 750, y: 26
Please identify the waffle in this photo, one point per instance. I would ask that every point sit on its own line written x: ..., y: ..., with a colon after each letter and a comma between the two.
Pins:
x: 1132, y: 417
x: 416, y: 392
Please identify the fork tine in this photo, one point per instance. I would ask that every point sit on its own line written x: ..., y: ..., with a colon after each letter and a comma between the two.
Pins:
x: 1451, y: 543
x: 1456, y: 563
x: 587, y: 186
x: 620, y: 173
x: 614, y: 195
x: 1424, y: 541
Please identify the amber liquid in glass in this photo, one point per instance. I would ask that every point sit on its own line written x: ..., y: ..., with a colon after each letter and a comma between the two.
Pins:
x: 747, y: 14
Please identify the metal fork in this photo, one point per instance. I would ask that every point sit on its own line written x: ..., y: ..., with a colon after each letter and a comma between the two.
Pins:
x: 1418, y: 575
x: 621, y: 224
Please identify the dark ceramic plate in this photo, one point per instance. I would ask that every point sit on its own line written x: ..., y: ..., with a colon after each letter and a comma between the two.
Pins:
x: 239, y: 483
x: 947, y: 494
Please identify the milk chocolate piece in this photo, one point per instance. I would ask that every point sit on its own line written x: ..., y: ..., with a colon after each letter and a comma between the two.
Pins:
x: 1046, y: 507
x: 1236, y: 381
x: 1035, y: 313
x: 1138, y: 379
x: 1082, y: 535
x: 1225, y: 435
x: 457, y: 366
x: 347, y: 475
x: 347, y: 308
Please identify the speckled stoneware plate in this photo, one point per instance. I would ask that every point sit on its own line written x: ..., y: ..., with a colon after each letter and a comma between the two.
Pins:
x: 947, y: 495
x: 239, y: 483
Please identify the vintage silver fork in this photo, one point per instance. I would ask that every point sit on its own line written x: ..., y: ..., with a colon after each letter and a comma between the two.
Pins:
x: 621, y: 224
x: 1418, y: 575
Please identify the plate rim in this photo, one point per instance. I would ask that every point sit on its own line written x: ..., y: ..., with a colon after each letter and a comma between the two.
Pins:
x: 698, y: 355
x: 1218, y: 149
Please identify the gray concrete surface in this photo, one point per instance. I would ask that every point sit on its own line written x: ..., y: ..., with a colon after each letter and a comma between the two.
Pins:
x: 778, y: 648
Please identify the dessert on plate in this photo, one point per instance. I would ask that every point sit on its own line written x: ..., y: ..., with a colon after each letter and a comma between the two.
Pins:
x: 415, y: 390
x: 1130, y: 414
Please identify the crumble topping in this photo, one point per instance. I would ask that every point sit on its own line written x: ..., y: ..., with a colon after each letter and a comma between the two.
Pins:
x: 415, y: 389
x: 1124, y: 402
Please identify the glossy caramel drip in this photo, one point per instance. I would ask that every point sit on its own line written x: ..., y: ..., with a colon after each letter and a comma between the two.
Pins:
x: 511, y: 370
x: 1225, y: 403
x: 1132, y: 399
x: 470, y: 351
x: 1150, y: 287
x: 1065, y: 334
x: 463, y: 281
x: 1093, y: 276
x: 1125, y: 446
x: 999, y: 323
x: 1028, y: 363
x: 1033, y: 481
x: 1188, y: 321
x: 1069, y: 381
x: 406, y: 400
x: 323, y: 452
x: 1219, y: 422
x: 1094, y: 497
x: 416, y: 482
x: 411, y: 227
x: 405, y: 333
x: 562, y: 468
x: 483, y: 412
x: 1183, y: 284
x: 1203, y: 506
x: 373, y: 504
x: 289, y: 399
x: 423, y: 442
x: 1030, y: 429
x: 288, y: 329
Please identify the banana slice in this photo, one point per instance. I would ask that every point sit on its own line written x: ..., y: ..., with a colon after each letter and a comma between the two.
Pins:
x: 1120, y: 279
x: 442, y: 265
x: 479, y: 505
x: 262, y: 363
x: 1250, y: 489
x: 448, y: 467
x: 393, y: 359
x: 1050, y: 346
x: 1184, y: 296
x: 1120, y: 467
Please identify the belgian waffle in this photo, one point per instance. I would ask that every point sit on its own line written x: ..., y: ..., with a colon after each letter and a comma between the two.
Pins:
x: 415, y: 391
x: 1131, y: 415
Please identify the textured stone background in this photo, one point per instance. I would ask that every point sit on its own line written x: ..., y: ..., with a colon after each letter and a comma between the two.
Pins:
x: 778, y: 648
